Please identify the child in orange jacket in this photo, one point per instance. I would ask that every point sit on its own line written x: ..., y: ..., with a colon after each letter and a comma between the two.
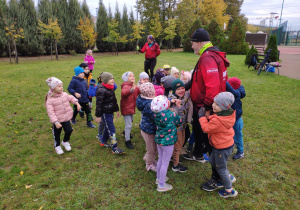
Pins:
x: 219, y: 128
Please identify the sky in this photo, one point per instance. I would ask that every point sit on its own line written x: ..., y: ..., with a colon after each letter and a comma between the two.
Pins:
x: 254, y: 10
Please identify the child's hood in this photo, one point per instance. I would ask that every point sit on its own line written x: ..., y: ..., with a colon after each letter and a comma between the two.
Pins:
x: 49, y: 94
x: 142, y: 102
x: 227, y: 121
x: 242, y: 91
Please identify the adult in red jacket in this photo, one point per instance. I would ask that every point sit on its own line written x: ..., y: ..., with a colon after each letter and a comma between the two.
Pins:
x: 152, y: 51
x: 208, y: 79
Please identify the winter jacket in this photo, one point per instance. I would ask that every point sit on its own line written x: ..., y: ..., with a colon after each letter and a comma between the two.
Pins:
x: 106, y: 101
x: 209, y: 77
x: 89, y: 60
x: 78, y: 85
x: 147, y: 123
x: 219, y: 129
x: 184, y: 109
x: 151, y: 52
x: 88, y: 78
x: 166, y: 123
x: 128, y: 98
x: 238, y: 95
x: 58, y: 107
x: 159, y: 90
x: 92, y: 91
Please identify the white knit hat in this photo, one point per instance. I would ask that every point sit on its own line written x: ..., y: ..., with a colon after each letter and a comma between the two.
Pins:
x: 126, y: 75
x: 52, y: 82
x: 144, y: 75
x: 174, y: 70
x: 159, y: 103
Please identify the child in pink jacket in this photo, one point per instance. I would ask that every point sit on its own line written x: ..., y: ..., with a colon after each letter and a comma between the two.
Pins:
x: 159, y: 89
x: 60, y: 112
x: 89, y: 60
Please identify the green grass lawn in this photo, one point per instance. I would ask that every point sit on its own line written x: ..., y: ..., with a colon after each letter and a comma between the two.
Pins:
x: 91, y: 177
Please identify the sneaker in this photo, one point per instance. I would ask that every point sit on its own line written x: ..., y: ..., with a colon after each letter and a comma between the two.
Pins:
x: 81, y: 114
x: 58, y: 150
x: 128, y: 144
x: 66, y: 145
x: 105, y: 144
x: 238, y: 155
x: 73, y: 121
x: 232, y: 179
x: 171, y: 160
x: 193, y: 157
x: 165, y: 188
x: 189, y: 148
x: 90, y: 125
x: 224, y: 194
x: 117, y: 151
x: 157, y: 181
x: 205, y: 157
x: 179, y: 168
x: 210, y: 186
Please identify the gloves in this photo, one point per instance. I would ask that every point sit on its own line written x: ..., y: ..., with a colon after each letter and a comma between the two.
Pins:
x: 137, y: 48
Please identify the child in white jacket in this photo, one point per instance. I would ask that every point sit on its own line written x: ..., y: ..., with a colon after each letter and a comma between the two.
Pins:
x: 60, y: 112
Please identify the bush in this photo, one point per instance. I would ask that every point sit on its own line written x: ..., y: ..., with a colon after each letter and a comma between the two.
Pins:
x: 216, y: 34
x: 272, y: 44
x: 187, y: 46
x: 249, y: 53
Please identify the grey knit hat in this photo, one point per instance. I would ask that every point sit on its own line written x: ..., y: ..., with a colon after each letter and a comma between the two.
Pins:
x: 167, y: 82
x: 106, y: 76
x: 224, y: 100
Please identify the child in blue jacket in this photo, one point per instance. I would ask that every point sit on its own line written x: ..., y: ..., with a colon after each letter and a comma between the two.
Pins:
x: 234, y: 86
x: 78, y: 88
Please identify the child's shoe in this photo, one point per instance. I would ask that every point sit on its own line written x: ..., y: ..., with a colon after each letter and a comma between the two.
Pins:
x: 129, y: 144
x: 210, y: 186
x: 179, y: 168
x: 238, y: 155
x: 105, y: 144
x: 157, y: 181
x: 73, y: 121
x: 117, y: 151
x: 66, y: 145
x: 58, y: 150
x: 232, y: 179
x: 90, y: 125
x: 225, y: 194
x: 165, y: 188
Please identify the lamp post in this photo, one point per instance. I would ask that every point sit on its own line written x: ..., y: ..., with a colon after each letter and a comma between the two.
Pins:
x: 279, y: 23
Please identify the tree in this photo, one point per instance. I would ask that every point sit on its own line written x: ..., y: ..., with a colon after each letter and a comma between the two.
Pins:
x: 233, y: 10
x: 147, y: 9
x: 217, y: 36
x: 88, y: 35
x: 120, y: 28
x: 14, y: 33
x: 170, y: 33
x: 137, y: 29
x: 51, y: 31
x: 3, y: 14
x: 272, y: 44
x: 127, y: 28
x: 102, y: 28
x: 155, y: 26
x: 86, y: 10
x: 44, y: 14
x: 187, y: 46
x: 249, y: 53
x: 114, y: 36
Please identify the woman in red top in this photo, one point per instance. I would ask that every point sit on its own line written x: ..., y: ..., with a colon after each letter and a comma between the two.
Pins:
x: 152, y: 51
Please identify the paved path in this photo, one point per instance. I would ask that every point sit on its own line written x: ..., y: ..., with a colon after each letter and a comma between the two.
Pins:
x: 290, y: 61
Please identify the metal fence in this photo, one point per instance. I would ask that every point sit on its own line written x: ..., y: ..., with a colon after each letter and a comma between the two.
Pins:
x: 291, y: 38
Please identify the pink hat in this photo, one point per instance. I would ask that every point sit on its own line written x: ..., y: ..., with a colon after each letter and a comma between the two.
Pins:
x: 187, y: 75
x: 147, y: 90
x: 159, y: 103
x: 52, y: 82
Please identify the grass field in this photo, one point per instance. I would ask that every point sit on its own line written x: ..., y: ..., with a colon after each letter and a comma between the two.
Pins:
x: 91, y: 177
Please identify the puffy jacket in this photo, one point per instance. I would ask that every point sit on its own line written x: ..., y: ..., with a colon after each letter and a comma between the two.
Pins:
x: 89, y: 60
x: 58, y: 107
x: 209, y: 77
x: 106, y: 101
x: 78, y: 85
x: 219, y: 129
x: 166, y: 131
x: 238, y: 95
x: 147, y: 123
x: 88, y: 78
x: 128, y: 98
x: 159, y: 90
x: 151, y: 52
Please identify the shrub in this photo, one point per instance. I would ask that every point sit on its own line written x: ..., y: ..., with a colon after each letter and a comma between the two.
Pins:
x: 187, y: 46
x: 216, y: 34
x: 272, y: 44
x: 249, y: 53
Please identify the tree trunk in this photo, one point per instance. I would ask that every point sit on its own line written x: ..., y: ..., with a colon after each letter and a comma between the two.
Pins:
x: 17, y: 60
x: 9, y: 51
x: 51, y: 48
x: 56, y: 51
x: 137, y: 44
x: 116, y: 49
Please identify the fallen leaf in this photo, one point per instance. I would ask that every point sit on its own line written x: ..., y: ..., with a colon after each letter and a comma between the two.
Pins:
x: 99, y: 165
x: 28, y: 186
x: 16, y: 132
x: 15, y: 140
x: 9, y: 123
x: 35, y: 199
x: 68, y: 158
x: 21, y: 172
x: 41, y: 207
x: 41, y: 118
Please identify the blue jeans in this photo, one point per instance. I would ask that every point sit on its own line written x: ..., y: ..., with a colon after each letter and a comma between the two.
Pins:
x: 238, y: 136
x: 109, y: 130
x: 218, y: 160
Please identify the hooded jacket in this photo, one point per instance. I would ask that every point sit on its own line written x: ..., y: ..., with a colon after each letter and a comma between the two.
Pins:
x: 209, y: 77
x: 219, y: 129
x: 106, y: 101
x: 58, y: 107
x: 159, y: 90
x: 78, y: 85
x: 89, y: 60
x: 128, y: 98
x: 147, y: 123
x: 151, y: 52
x: 238, y: 95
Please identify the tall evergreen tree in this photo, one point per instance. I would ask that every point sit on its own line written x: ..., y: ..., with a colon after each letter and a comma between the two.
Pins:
x: 85, y: 9
x: 45, y: 13
x: 120, y: 28
x: 217, y: 36
x: 3, y: 16
x: 110, y: 16
x: 60, y: 11
x: 234, y: 10
x: 32, y: 42
x: 131, y: 45
x: 102, y: 28
x: 127, y: 28
x: 187, y: 46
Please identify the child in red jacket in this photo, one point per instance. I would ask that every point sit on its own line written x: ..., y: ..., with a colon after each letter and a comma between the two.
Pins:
x: 129, y: 93
x: 219, y: 128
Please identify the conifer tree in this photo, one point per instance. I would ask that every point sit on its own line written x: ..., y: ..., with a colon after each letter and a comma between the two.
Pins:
x: 217, y: 36
x: 131, y: 44
x: 60, y: 11
x: 85, y: 9
x: 110, y: 16
x: 272, y: 44
x: 187, y: 46
x: 44, y: 14
x: 127, y: 28
x: 120, y: 29
x: 3, y: 16
x: 102, y: 28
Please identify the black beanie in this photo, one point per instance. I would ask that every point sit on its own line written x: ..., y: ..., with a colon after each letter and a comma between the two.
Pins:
x: 83, y: 65
x: 200, y: 35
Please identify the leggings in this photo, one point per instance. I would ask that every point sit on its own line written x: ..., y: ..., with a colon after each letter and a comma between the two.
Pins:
x: 165, y: 153
x: 56, y: 132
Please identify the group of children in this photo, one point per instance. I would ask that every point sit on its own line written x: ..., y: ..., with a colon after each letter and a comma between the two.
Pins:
x: 166, y: 110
